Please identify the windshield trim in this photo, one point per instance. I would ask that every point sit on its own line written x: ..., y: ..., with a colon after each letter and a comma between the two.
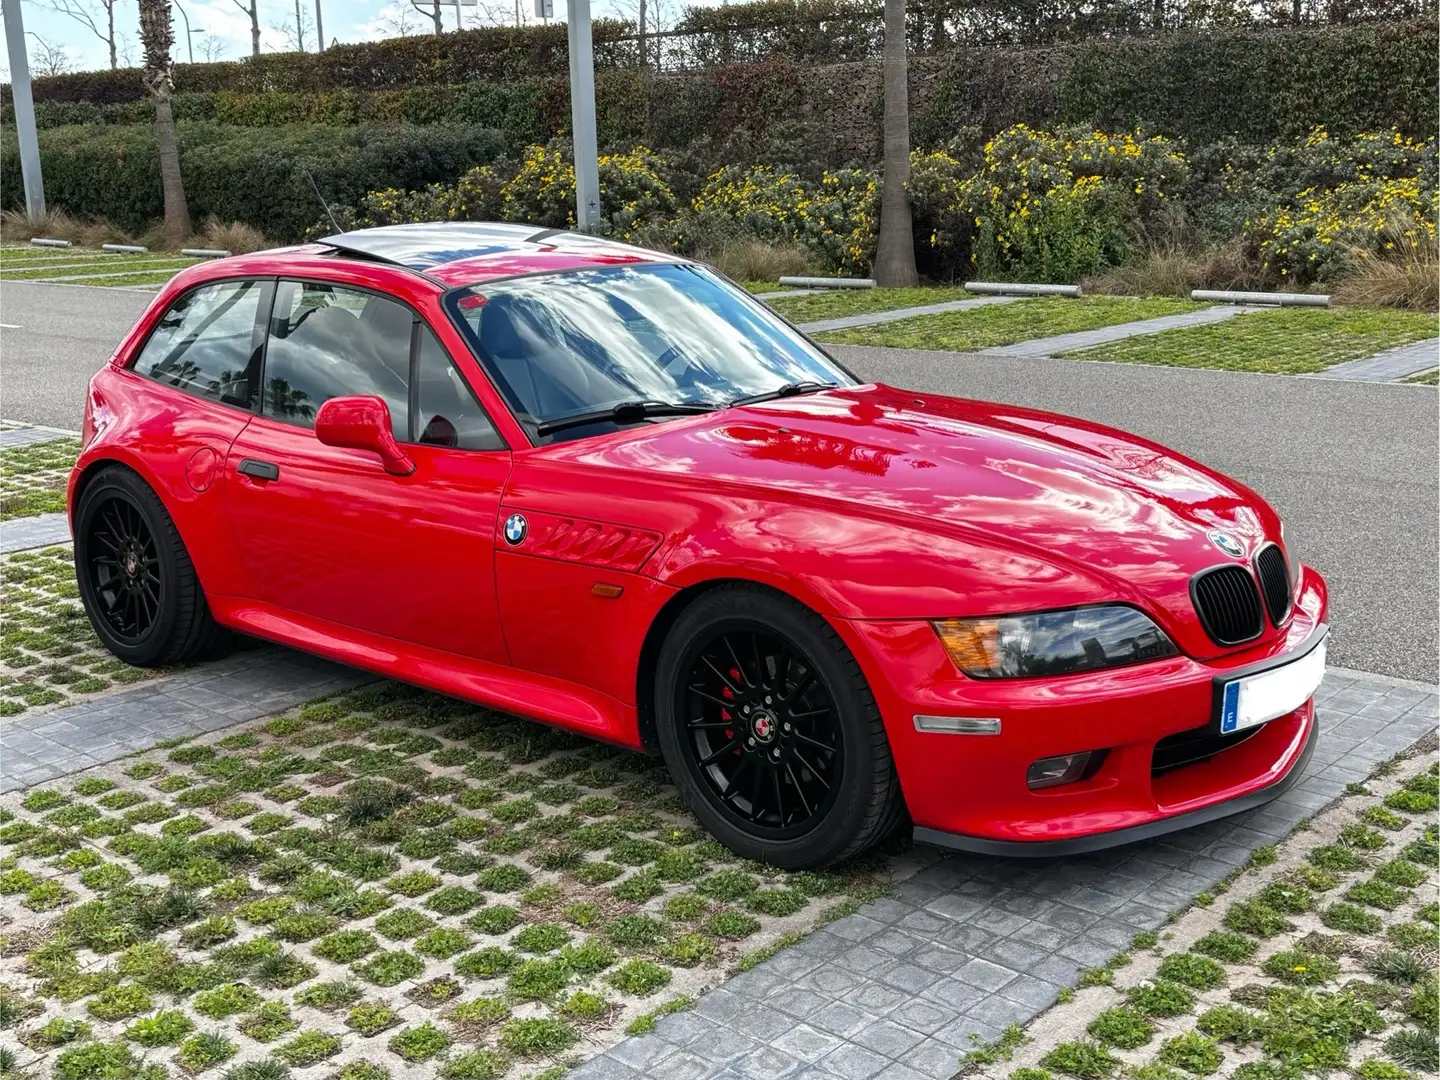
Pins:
x: 530, y: 424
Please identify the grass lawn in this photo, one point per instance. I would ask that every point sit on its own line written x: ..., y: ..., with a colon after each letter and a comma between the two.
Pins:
x: 1288, y: 341
x: 32, y: 271
x: 1005, y: 324
x: 764, y: 287
x: 840, y: 302
x: 1426, y: 378
x: 384, y: 884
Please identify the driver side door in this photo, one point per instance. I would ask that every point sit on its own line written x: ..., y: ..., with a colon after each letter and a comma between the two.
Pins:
x: 324, y: 532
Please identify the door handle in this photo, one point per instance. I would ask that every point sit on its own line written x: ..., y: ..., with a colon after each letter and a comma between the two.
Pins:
x: 261, y: 470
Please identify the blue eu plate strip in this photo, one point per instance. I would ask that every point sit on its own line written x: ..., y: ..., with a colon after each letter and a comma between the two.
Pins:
x: 1230, y: 707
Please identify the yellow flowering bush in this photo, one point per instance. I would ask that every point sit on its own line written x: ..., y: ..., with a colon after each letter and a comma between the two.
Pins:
x: 1060, y: 205
x: 944, y: 227
x: 632, y: 190
x: 1323, y: 231
x: 835, y: 217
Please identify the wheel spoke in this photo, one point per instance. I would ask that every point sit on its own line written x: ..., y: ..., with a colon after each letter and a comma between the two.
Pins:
x: 698, y: 692
x: 729, y: 645
x: 721, y: 675
x: 731, y: 784
x: 813, y: 771
x: 729, y: 747
x: 798, y: 789
x: 702, y: 723
x: 807, y: 740
x: 755, y: 786
x: 779, y: 798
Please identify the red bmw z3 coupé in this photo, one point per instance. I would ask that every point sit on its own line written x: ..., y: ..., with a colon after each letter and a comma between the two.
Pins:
x: 604, y: 488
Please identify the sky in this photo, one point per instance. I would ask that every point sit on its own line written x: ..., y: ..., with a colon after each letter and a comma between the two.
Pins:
x: 220, y: 29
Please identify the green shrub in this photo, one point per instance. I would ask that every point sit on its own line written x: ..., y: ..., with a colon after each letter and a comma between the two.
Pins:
x: 244, y: 174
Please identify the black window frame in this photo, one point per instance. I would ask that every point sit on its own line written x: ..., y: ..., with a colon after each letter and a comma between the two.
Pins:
x: 412, y: 390
x: 254, y: 366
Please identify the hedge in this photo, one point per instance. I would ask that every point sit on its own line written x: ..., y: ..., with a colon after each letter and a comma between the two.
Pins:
x: 1258, y: 85
x: 244, y: 174
x: 492, y: 53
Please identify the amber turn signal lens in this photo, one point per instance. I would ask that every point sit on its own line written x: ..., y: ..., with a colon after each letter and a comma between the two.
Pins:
x: 973, y: 644
x: 605, y: 590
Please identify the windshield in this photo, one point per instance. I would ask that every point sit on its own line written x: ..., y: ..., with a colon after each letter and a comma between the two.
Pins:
x: 563, y: 345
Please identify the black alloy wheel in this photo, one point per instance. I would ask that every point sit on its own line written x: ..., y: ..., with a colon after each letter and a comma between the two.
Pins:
x: 770, y: 730
x: 761, y: 729
x: 136, y: 579
x: 124, y: 569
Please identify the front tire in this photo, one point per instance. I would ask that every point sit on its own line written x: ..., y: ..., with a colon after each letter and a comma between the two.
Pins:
x: 771, y: 733
x: 136, y: 579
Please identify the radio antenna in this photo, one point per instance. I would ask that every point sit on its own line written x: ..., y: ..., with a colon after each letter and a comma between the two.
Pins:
x: 316, y: 188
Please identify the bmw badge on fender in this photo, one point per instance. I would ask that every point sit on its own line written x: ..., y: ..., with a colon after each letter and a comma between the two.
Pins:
x: 604, y: 488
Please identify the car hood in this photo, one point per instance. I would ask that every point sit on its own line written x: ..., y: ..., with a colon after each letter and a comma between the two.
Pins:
x: 1106, y: 505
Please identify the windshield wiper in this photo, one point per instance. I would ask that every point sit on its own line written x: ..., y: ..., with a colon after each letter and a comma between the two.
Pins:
x: 790, y: 389
x: 627, y: 412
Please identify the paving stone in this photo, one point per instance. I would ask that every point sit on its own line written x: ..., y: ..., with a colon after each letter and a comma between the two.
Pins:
x: 807, y: 1044
x: 840, y: 1018
x: 641, y: 1054
x: 1397, y: 363
x: 41, y: 530
x: 1087, y: 339
x: 766, y: 1063
x: 855, y: 1062
x: 933, y: 1059
x: 604, y: 1067
x: 887, y: 1037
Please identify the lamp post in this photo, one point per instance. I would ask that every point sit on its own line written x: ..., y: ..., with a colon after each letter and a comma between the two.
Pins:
x: 582, y: 111
x: 24, y: 111
x: 189, y: 34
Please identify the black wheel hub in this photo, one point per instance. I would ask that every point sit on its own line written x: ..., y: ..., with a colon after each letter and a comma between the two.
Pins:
x: 761, y: 730
x: 124, y: 568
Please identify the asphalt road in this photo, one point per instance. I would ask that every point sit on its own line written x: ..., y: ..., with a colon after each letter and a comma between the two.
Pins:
x: 65, y: 334
x: 1350, y: 466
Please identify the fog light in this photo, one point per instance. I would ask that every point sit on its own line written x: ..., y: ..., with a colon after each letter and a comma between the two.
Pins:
x: 1053, y: 771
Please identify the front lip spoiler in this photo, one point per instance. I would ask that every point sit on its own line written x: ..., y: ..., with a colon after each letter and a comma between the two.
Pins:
x: 1079, y: 845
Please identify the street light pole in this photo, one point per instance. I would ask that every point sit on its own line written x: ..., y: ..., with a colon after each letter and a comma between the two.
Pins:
x: 582, y: 115
x: 189, y: 37
x: 319, y: 29
x: 24, y: 111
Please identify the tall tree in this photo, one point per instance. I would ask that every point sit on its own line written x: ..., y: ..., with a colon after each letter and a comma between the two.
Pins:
x: 97, y: 16
x: 895, y: 257
x: 157, y: 38
x: 433, y: 14
x: 252, y: 9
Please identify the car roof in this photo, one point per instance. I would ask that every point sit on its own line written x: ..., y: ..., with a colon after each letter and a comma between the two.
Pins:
x: 456, y: 253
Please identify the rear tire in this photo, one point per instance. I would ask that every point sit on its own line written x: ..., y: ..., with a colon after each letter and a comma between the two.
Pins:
x: 136, y: 579
x: 771, y: 733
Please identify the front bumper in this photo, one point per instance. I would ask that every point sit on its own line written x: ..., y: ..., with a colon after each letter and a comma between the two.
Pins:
x: 969, y: 791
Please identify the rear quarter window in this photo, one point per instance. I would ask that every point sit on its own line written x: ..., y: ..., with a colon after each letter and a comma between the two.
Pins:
x: 205, y: 343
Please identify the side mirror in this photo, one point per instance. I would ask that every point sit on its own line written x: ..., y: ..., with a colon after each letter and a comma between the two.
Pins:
x: 362, y: 422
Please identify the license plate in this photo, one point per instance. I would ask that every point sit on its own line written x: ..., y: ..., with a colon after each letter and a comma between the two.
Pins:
x: 1254, y: 699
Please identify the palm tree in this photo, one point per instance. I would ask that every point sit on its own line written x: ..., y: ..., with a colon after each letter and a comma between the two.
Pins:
x: 157, y: 37
x: 895, y: 258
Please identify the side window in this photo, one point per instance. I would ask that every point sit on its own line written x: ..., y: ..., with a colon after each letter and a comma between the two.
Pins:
x: 330, y: 341
x: 447, y: 413
x: 204, y: 344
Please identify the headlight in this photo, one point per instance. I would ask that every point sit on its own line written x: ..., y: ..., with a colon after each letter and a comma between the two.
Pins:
x: 1053, y: 642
